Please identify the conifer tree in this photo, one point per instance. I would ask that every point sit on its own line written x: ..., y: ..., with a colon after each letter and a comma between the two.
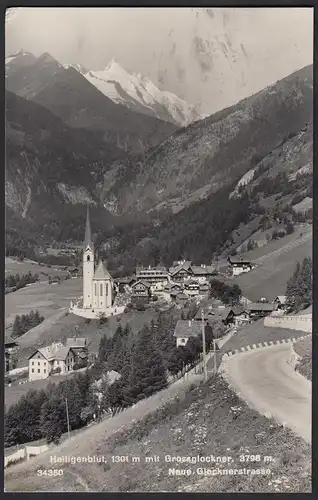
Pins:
x: 16, y: 328
x: 53, y: 418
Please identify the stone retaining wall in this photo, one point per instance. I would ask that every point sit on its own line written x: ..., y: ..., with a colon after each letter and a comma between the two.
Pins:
x: 302, y: 323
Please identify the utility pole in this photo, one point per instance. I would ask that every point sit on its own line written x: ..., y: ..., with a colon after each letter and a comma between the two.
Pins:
x: 214, y: 351
x: 68, y: 420
x: 204, y: 349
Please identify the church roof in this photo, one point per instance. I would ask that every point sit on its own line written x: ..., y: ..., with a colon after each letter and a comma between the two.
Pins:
x: 101, y: 272
x: 88, y: 233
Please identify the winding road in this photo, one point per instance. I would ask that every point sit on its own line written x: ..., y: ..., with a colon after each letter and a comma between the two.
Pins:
x: 265, y: 378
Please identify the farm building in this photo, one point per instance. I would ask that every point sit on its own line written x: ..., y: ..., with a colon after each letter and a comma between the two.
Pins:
x: 260, y: 310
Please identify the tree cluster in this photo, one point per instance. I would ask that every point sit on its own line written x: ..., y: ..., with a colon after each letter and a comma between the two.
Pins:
x: 42, y: 413
x: 20, y: 281
x: 299, y: 286
x: 25, y: 322
x: 228, y: 294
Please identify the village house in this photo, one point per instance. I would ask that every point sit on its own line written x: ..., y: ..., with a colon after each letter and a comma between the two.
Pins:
x: 260, y: 310
x: 79, y: 346
x: 185, y: 329
x: 157, y: 277
x: 180, y: 298
x: 123, y: 284
x: 55, y: 357
x: 239, y: 265
x: 184, y: 270
x: 204, y: 289
x: 140, y: 292
x: 241, y: 316
x: 74, y: 273
x: 280, y: 300
x: 191, y: 287
x: 10, y: 348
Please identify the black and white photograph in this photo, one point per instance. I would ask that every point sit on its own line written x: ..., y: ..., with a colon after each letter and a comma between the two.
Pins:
x: 158, y: 249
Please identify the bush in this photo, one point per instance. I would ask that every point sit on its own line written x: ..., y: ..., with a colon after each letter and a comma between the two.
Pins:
x: 56, y: 371
x: 290, y: 228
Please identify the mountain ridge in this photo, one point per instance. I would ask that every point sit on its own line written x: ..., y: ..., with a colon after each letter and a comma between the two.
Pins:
x: 70, y: 96
x: 204, y: 156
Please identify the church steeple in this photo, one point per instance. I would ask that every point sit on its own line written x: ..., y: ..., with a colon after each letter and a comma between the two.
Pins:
x: 88, y: 234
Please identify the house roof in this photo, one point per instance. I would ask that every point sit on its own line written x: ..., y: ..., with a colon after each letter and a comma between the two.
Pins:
x: 9, y: 340
x: 187, y: 328
x: 281, y: 298
x: 157, y: 268
x: 186, y: 265
x: 53, y: 352
x: 76, y: 342
x: 190, y: 281
x: 238, y: 260
x: 101, y: 272
x: 260, y: 306
x: 237, y: 310
x: 141, y: 281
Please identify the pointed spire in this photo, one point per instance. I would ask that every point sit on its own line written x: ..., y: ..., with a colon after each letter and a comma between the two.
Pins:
x: 88, y: 234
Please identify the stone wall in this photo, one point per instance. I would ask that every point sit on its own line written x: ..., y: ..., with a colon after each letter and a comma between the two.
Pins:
x: 302, y: 323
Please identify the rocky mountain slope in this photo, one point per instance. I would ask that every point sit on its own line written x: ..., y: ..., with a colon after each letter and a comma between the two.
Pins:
x: 51, y: 166
x: 139, y: 94
x: 211, y: 154
x: 70, y: 96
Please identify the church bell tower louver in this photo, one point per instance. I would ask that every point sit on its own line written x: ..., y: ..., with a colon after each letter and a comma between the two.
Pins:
x: 88, y: 265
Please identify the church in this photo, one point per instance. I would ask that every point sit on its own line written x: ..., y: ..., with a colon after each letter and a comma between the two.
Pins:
x: 98, y: 285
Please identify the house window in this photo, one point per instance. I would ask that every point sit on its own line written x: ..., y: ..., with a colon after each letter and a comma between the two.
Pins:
x: 44, y: 371
x: 32, y: 370
x: 88, y: 258
x: 95, y: 289
x: 101, y: 290
x: 44, y: 363
x: 38, y: 363
x: 57, y: 362
x: 106, y: 289
x: 32, y: 362
x: 182, y: 341
x: 39, y: 371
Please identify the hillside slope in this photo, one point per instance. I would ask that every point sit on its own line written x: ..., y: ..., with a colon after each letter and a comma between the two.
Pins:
x: 212, y: 153
x: 51, y: 169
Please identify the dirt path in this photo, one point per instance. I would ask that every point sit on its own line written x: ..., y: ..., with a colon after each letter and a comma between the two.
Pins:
x: 265, y: 378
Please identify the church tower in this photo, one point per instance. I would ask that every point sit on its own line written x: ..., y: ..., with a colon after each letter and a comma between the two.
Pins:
x: 88, y: 265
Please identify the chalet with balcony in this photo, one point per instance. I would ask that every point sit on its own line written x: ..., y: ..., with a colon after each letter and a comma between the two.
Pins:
x: 191, y: 287
x: 141, y: 291
x: 240, y: 265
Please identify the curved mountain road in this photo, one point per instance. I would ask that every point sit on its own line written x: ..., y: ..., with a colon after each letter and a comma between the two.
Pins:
x: 266, y: 380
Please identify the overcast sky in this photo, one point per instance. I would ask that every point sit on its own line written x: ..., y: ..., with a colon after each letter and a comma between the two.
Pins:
x: 179, y: 48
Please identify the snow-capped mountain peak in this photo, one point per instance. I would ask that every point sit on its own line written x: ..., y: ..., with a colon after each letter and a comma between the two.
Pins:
x: 139, y: 93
